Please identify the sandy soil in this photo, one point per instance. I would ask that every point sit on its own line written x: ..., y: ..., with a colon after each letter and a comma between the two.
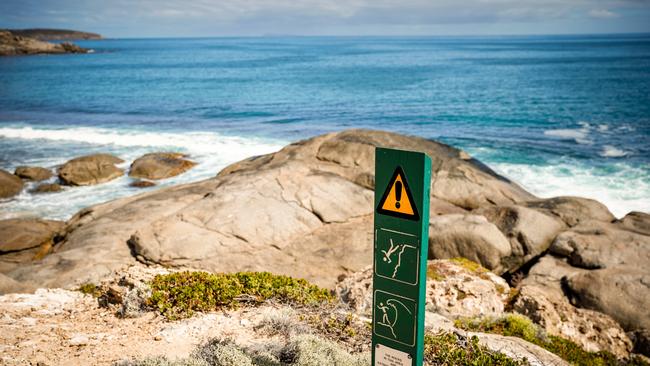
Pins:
x: 60, y: 327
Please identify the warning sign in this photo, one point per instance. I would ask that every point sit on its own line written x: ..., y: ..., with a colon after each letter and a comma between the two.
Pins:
x: 400, y: 256
x: 397, y: 199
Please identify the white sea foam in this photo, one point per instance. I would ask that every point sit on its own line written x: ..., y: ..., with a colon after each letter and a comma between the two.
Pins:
x: 211, y: 150
x: 197, y: 142
x: 610, y: 151
x: 628, y: 189
x: 579, y: 135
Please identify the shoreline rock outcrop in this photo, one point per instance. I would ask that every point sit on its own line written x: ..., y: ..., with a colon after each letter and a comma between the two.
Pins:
x: 15, y: 45
x: 90, y: 169
x: 10, y: 185
x: 33, y: 173
x: 306, y: 211
x: 160, y: 165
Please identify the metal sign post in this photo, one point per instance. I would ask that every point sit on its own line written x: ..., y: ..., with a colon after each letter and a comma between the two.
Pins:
x: 402, y: 184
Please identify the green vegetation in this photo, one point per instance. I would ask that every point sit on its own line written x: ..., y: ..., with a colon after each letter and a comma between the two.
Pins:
x: 447, y: 350
x: 179, y: 295
x: 516, y: 325
x: 469, y: 265
x: 90, y: 289
x: 434, y: 274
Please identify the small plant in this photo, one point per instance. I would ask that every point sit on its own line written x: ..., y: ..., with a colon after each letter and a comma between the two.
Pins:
x: 90, y: 289
x: 516, y: 325
x: 434, y: 274
x: 179, y: 295
x: 448, y: 350
x: 469, y: 265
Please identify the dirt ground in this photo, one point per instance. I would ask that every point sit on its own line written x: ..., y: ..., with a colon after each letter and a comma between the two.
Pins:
x: 60, y: 327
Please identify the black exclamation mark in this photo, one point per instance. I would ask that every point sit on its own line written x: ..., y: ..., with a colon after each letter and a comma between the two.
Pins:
x: 398, y: 193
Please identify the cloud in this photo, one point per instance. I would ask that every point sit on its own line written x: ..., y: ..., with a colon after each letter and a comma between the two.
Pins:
x: 602, y: 14
x: 330, y: 17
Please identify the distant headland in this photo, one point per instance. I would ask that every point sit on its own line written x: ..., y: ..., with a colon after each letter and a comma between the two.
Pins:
x: 45, y: 34
x: 33, y: 41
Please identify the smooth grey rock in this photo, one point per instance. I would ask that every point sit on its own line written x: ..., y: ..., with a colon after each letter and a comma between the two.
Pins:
x: 468, y: 236
x: 529, y: 232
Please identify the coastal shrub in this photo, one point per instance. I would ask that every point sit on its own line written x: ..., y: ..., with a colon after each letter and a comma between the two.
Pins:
x: 283, y: 322
x: 447, y: 349
x: 516, y: 325
x: 134, y: 302
x: 218, y: 352
x: 179, y: 295
x: 434, y: 274
x: 469, y: 265
x: 90, y: 289
x: 310, y: 350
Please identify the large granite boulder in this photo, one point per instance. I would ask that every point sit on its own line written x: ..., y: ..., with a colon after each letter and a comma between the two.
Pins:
x: 529, y: 232
x: 90, y: 169
x: 23, y: 240
x: 304, y: 211
x: 10, y: 185
x: 594, y: 245
x: 623, y: 293
x: 160, y: 165
x: 34, y: 173
x: 572, y: 210
x: 468, y: 236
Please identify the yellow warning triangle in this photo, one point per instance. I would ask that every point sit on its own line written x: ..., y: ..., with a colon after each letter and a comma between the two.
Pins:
x: 397, y: 199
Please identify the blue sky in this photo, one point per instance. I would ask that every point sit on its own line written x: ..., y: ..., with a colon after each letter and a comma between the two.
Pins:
x: 163, y: 18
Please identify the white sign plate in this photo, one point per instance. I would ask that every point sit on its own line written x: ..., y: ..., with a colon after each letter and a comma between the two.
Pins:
x: 386, y: 356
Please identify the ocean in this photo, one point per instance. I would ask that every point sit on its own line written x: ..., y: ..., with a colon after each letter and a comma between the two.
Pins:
x: 560, y: 115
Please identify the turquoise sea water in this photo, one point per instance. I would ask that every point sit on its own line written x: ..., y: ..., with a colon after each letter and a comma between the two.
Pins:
x: 560, y: 115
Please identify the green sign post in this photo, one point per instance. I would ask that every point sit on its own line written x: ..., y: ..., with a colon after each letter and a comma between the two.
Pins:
x: 402, y: 183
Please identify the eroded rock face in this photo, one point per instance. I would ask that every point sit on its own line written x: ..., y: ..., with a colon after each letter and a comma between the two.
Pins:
x: 90, y: 169
x: 23, y: 240
x: 160, y: 165
x: 452, y: 291
x: 590, y: 329
x: 304, y: 211
x: 34, y: 173
x: 10, y: 185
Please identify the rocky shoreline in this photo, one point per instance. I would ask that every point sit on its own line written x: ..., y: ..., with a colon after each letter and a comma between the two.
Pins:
x: 306, y: 211
x: 15, y: 45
